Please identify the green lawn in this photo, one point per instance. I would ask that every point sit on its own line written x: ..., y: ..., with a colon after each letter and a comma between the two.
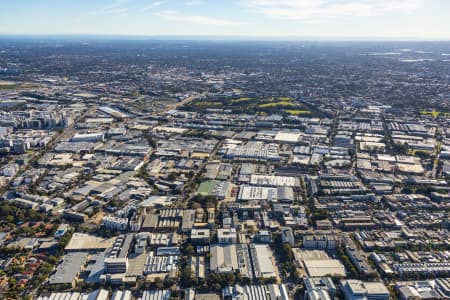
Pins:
x: 297, y: 111
x: 433, y: 113
x: 15, y: 86
x: 243, y: 99
x: 273, y: 104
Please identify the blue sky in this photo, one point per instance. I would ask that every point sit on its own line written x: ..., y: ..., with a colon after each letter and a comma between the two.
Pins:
x: 419, y: 19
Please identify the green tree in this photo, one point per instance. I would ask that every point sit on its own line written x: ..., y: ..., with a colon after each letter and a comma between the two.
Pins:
x: 189, y: 250
x: 187, y: 277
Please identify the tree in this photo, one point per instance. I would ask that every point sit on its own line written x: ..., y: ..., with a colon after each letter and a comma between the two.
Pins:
x: 230, y: 278
x: 46, y: 269
x: 172, y: 176
x: 12, y: 281
x: 287, y: 252
x: 189, y: 250
x: 168, y: 282
x: 158, y: 283
x: 9, y: 219
x: 187, y: 277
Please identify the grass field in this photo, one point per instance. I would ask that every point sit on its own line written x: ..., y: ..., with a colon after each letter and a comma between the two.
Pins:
x: 266, y: 106
x: 205, y: 188
x: 297, y: 111
x: 6, y: 85
x: 434, y: 113
x: 9, y: 87
x: 208, y: 104
x: 243, y: 99
x: 273, y: 104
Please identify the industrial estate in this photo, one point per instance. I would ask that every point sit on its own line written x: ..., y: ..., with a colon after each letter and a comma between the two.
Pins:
x: 224, y: 170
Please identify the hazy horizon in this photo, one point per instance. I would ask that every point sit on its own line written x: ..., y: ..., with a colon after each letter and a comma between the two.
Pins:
x: 230, y: 38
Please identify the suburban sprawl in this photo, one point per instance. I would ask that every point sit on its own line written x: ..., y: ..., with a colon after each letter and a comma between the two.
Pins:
x: 224, y: 170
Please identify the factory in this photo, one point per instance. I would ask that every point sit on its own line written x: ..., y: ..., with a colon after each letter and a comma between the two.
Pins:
x: 262, y: 258
x: 274, y: 181
x: 81, y: 242
x: 271, y: 194
x: 95, y: 295
x: 230, y: 259
x: 88, y: 137
x: 68, y: 270
x: 359, y: 290
x: 256, y: 292
x: 317, y: 263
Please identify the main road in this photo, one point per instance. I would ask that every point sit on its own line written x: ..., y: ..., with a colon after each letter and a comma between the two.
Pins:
x: 183, y: 102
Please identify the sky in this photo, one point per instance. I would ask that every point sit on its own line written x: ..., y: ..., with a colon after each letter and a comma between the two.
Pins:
x: 373, y: 19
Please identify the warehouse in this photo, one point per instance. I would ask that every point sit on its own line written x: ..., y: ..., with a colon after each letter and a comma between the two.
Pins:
x: 262, y: 257
x: 324, y: 267
x: 197, y: 264
x: 68, y: 270
x: 224, y: 259
x: 317, y: 263
x: 95, y: 295
x: 88, y: 137
x: 265, y: 180
x: 356, y: 289
x: 121, y: 295
x: 112, y: 112
x: 256, y: 292
x: 257, y: 193
x: 272, y: 194
x: 160, y: 264
x: 287, y: 137
x: 81, y: 242
x: 156, y: 295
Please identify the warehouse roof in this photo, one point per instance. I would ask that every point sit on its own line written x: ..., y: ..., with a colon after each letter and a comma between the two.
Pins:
x: 86, y: 242
x: 223, y: 258
x: 324, y: 267
x: 68, y: 270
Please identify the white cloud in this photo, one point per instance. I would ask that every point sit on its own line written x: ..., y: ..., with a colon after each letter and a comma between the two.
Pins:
x: 320, y: 9
x: 117, y: 11
x: 194, y: 2
x: 203, y: 20
x: 116, y: 7
x: 154, y: 4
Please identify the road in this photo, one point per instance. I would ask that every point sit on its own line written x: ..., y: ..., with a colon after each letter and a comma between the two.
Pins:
x: 66, y: 133
x: 183, y: 102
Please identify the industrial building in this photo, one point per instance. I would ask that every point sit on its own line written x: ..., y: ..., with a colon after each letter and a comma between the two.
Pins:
x: 317, y: 263
x: 81, y: 242
x: 274, y: 181
x: 156, y: 295
x: 95, y: 295
x: 200, y: 236
x: 272, y: 194
x: 114, y: 265
x: 319, y: 288
x: 223, y: 259
x: 68, y: 270
x: 256, y: 292
x: 262, y: 261
x: 227, y: 235
x: 160, y: 264
x: 358, y: 290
